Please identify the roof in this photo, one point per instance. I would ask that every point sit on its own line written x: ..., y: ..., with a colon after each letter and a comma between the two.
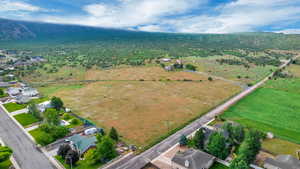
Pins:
x: 30, y: 91
x: 23, y: 99
x: 83, y: 143
x: 284, y: 162
x: 193, y: 159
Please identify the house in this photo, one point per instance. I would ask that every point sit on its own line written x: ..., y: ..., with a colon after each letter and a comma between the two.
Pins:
x: 81, y: 143
x: 192, y: 159
x: 282, y: 162
x: 165, y: 59
x: 14, y: 91
x: 45, y: 105
x: 169, y: 68
x: 22, y: 99
x: 30, y: 92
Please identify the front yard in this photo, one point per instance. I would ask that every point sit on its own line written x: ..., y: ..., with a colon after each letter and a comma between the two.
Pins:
x: 82, y: 164
x: 26, y: 119
x: 5, y: 164
x: 11, y: 107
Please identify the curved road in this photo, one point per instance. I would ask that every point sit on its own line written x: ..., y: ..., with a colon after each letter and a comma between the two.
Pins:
x: 142, y: 159
x: 25, y: 153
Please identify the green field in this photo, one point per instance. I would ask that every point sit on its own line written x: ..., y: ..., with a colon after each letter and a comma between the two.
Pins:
x: 26, y: 119
x: 274, y: 107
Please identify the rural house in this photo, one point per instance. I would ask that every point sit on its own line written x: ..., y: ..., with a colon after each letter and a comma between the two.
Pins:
x: 192, y: 159
x: 82, y: 144
x: 282, y: 162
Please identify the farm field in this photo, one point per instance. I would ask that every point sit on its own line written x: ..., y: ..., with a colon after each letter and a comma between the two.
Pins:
x: 231, y: 72
x: 143, y: 111
x: 274, y: 107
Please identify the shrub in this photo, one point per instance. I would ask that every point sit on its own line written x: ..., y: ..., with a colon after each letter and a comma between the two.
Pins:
x: 66, y: 116
x: 75, y: 121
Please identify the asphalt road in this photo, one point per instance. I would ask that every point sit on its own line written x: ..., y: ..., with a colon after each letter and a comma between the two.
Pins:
x: 142, y: 159
x: 25, y: 153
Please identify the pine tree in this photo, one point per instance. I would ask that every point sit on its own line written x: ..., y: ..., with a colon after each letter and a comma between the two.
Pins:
x: 114, y: 134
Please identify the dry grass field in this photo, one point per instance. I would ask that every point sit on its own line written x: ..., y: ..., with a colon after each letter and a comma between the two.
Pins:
x: 121, y: 73
x: 143, y: 111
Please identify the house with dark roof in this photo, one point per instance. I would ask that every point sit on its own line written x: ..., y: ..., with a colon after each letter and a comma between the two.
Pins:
x: 192, y: 159
x: 81, y: 143
x: 282, y: 162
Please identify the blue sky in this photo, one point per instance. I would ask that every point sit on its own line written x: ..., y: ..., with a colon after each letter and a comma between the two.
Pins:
x: 186, y: 16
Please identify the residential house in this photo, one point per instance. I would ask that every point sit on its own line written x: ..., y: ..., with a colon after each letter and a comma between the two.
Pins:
x: 192, y: 159
x: 45, y: 105
x: 14, y: 91
x: 21, y: 99
x: 30, y: 92
x: 282, y: 162
x: 81, y: 143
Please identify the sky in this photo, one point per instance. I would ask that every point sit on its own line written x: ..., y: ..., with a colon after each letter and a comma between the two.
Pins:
x: 184, y: 16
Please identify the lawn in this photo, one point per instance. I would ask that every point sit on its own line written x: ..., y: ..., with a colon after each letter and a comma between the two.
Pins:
x: 11, y: 107
x: 79, y: 165
x: 274, y: 107
x: 219, y: 166
x: 143, y: 111
x: 26, y: 119
x: 5, y: 164
x: 278, y: 146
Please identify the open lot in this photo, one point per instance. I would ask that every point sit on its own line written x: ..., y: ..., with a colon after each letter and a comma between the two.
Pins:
x: 274, y: 107
x: 143, y: 111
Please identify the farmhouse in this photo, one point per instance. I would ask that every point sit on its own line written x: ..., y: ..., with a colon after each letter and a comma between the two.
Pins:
x: 82, y: 144
x: 192, y: 159
x: 282, y: 162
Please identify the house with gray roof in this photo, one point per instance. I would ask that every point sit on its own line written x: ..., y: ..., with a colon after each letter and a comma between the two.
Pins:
x: 282, y: 162
x: 192, y: 159
x: 81, y: 143
x: 30, y: 92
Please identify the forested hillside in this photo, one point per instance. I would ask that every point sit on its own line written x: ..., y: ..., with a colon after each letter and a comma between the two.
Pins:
x: 88, y: 46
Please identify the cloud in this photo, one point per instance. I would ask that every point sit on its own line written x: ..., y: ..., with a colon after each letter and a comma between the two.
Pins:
x: 9, y: 5
x: 289, y: 31
x: 186, y: 16
x: 240, y: 16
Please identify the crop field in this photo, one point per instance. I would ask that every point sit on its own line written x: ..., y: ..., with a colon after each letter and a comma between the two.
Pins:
x: 143, y: 111
x: 274, y: 107
x: 232, y: 72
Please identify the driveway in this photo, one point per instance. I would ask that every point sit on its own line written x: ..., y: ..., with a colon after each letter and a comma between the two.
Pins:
x: 25, y: 153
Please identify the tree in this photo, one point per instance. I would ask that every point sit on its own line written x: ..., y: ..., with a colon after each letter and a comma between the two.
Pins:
x: 90, y: 157
x: 190, y: 67
x: 63, y: 150
x: 51, y: 117
x: 33, y: 110
x: 238, y: 133
x: 198, y: 139
x: 72, y: 157
x: 183, y: 141
x: 239, y: 163
x: 5, y: 153
x: 57, y: 103
x: 217, y: 145
x: 105, y: 150
x: 210, y: 78
x: 1, y: 92
x: 114, y: 134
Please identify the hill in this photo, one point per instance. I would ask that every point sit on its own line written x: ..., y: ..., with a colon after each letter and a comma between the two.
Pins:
x: 21, y: 31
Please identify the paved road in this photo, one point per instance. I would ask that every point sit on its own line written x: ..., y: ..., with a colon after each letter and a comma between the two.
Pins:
x: 142, y: 159
x: 25, y: 153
